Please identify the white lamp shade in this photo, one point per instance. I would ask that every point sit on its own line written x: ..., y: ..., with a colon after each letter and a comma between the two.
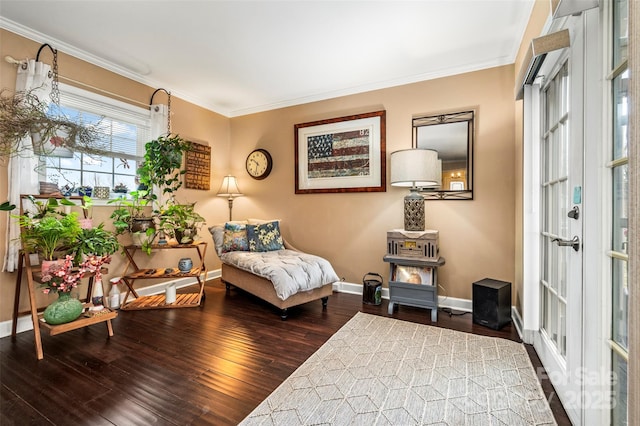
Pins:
x: 439, y: 174
x: 229, y: 187
x: 416, y: 168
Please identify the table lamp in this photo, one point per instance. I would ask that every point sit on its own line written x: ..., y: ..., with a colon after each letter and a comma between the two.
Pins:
x: 415, y: 169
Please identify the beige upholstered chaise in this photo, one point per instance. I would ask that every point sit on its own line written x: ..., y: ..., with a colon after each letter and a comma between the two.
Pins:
x: 257, y: 273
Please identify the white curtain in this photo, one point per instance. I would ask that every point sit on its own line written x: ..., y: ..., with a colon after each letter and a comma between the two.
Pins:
x: 159, y: 120
x: 159, y: 123
x: 23, y: 178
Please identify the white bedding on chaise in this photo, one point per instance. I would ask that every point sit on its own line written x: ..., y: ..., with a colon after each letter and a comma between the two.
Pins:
x: 290, y: 271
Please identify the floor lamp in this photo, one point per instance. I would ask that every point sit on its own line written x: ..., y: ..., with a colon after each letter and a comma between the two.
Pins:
x: 229, y: 189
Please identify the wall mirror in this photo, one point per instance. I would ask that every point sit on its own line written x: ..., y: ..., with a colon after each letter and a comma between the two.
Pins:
x: 451, y: 135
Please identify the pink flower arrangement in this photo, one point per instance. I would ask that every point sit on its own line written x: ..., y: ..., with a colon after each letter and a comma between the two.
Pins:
x: 93, y: 264
x: 63, y: 277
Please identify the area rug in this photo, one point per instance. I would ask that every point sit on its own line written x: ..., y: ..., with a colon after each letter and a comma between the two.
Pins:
x: 382, y: 371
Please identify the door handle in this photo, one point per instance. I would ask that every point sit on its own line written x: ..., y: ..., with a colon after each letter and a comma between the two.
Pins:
x: 574, y: 242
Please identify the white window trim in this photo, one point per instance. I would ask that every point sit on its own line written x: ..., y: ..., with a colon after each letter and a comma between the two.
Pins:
x: 101, y: 105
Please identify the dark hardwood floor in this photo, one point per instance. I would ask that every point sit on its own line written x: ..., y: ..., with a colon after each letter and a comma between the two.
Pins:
x: 208, y: 365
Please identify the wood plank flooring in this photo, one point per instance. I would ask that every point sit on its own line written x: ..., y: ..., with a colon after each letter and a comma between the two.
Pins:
x: 210, y: 365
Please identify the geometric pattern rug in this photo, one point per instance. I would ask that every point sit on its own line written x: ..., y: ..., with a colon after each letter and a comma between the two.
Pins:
x: 382, y: 371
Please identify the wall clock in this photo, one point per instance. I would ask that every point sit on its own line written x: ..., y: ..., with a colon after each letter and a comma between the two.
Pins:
x: 259, y: 163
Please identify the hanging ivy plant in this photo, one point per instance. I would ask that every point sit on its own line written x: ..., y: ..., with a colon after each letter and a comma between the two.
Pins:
x: 162, y: 165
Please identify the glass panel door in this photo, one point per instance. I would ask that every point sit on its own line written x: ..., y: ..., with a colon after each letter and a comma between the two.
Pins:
x: 619, y: 210
x: 556, y: 202
x: 559, y: 341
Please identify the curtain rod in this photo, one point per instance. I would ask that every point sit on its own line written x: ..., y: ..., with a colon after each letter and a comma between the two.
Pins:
x: 23, y: 64
x: 106, y: 92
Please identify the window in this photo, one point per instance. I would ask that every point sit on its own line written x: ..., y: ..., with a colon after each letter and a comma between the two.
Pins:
x: 124, y: 129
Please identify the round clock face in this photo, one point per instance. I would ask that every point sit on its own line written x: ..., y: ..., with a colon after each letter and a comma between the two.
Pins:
x: 259, y: 164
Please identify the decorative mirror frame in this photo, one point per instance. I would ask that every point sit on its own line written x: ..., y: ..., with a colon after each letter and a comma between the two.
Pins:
x: 422, y: 121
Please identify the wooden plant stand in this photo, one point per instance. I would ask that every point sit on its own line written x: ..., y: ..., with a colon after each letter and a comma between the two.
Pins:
x: 33, y: 277
x: 158, y: 301
x: 85, y: 319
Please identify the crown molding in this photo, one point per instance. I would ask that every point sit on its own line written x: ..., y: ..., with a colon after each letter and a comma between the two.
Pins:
x: 121, y: 70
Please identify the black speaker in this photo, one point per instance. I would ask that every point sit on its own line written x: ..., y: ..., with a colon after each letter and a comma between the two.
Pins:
x: 492, y: 303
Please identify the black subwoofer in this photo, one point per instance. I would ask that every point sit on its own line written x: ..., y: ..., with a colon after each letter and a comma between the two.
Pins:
x: 492, y: 303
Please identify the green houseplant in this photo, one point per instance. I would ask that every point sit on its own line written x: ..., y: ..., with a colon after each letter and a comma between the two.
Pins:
x: 130, y: 216
x: 162, y: 166
x: 7, y: 206
x: 47, y: 206
x: 50, y: 234
x: 97, y: 241
x: 180, y: 221
x: 128, y: 210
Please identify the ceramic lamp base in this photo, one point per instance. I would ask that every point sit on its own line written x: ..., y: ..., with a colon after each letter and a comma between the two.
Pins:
x: 414, y: 212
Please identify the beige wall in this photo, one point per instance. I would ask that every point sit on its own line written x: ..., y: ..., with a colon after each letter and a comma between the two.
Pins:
x: 188, y: 120
x: 476, y: 237
x: 537, y: 20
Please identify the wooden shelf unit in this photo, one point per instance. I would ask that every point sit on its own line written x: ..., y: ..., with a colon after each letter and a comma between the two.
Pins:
x: 33, y: 274
x: 158, y: 301
x: 87, y: 318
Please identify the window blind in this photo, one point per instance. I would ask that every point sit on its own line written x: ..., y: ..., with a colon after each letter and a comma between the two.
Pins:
x: 125, y: 128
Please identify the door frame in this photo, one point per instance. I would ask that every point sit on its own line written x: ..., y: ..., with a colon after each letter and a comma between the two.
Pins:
x: 591, y: 403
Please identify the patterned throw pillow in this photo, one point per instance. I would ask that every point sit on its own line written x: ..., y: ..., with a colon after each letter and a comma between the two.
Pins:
x: 265, y: 237
x: 235, y: 238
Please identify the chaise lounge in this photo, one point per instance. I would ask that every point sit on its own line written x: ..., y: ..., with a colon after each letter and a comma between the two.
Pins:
x: 256, y: 259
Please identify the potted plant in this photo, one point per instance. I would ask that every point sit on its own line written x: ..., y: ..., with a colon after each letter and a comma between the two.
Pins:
x: 23, y: 114
x: 85, y: 191
x: 162, y: 166
x: 95, y: 241
x: 131, y: 212
x: 47, y: 206
x: 61, y: 278
x: 180, y: 221
x: 87, y: 205
x: 129, y: 217
x: 51, y: 234
x: 120, y: 188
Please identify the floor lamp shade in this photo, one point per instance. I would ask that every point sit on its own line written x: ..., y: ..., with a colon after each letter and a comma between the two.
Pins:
x: 229, y: 189
x: 415, y: 169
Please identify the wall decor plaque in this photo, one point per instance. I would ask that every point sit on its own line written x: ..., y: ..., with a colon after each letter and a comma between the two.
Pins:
x: 198, y: 167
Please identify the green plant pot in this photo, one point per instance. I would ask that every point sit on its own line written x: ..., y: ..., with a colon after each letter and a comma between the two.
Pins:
x: 63, y: 310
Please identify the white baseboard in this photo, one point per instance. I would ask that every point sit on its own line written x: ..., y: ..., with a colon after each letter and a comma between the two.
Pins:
x: 527, y: 336
x: 464, y: 305
x: 25, y: 323
x: 516, y: 319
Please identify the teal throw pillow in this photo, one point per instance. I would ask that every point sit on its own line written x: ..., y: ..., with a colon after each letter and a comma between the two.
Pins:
x: 265, y: 237
x: 235, y: 238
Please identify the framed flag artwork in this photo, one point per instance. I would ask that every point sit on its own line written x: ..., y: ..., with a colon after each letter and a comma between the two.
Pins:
x: 345, y: 154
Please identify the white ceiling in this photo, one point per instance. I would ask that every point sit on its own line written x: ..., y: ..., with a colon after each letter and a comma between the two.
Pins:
x: 239, y: 57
